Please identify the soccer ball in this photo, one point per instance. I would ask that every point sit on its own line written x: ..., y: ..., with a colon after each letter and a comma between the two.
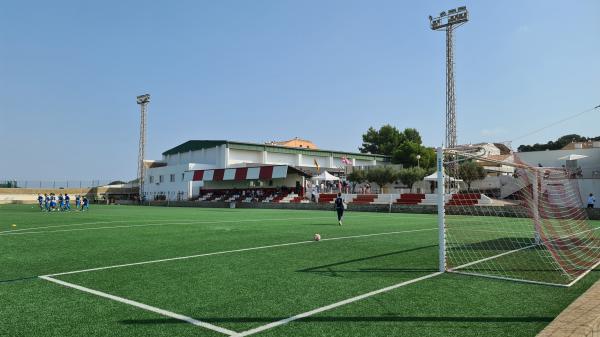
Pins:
x: 317, y: 237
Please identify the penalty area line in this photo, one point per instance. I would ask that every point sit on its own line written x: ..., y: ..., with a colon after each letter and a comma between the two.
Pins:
x: 163, y: 222
x: 234, y: 251
x: 332, y: 306
x: 143, y: 306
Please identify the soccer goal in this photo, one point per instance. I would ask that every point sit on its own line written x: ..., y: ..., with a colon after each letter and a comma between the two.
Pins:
x: 502, y: 218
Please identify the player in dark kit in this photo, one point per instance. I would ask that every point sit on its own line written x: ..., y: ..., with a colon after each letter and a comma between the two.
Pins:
x: 67, y: 202
x: 41, y: 201
x: 85, y: 204
x: 339, y: 207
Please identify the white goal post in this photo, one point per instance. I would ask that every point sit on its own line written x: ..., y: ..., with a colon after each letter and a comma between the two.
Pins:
x: 508, y: 220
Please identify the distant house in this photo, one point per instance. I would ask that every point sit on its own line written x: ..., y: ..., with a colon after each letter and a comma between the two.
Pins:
x: 296, y: 142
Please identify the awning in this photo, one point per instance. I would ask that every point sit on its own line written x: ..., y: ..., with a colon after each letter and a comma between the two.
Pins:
x: 246, y: 173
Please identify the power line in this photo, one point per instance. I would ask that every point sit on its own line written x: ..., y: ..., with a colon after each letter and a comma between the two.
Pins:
x: 555, y: 123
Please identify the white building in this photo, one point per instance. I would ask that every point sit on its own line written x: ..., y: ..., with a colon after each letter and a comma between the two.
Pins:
x: 172, y: 177
x: 588, y: 179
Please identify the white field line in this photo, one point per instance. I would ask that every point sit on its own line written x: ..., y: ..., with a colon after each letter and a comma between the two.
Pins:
x: 510, y: 279
x: 180, y: 222
x: 523, y: 248
x: 89, y: 223
x: 233, y: 251
x: 491, y: 257
x: 583, y: 275
x: 332, y: 306
x: 141, y: 306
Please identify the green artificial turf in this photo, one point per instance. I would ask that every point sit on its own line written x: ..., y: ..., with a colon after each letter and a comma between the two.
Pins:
x: 250, y: 288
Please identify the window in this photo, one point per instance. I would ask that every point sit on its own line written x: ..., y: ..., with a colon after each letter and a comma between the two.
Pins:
x: 151, y: 179
x: 161, y: 178
x: 172, y: 178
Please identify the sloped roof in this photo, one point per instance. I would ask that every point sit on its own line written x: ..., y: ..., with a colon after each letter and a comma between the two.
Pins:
x: 194, y: 145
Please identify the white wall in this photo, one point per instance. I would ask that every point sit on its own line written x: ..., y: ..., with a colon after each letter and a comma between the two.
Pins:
x: 223, y: 157
x: 183, y: 183
x: 244, y: 156
x: 550, y: 158
x: 281, y: 158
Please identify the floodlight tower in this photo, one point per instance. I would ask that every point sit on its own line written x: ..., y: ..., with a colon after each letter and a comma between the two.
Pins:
x: 448, y: 22
x: 143, y: 101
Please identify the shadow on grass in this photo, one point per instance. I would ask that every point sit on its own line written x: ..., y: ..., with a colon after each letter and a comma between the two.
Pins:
x: 476, y: 319
x: 326, y: 267
x: 28, y: 278
x: 333, y: 223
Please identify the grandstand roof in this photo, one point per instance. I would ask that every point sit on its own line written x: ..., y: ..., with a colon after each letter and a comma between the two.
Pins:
x: 265, y: 172
x: 194, y: 145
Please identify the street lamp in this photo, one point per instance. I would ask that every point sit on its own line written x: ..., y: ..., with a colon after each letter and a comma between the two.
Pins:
x: 418, y: 157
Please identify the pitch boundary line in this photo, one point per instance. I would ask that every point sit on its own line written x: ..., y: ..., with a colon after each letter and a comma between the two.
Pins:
x: 232, y: 251
x: 333, y: 306
x: 87, y: 223
x: 25, y: 231
x: 143, y: 306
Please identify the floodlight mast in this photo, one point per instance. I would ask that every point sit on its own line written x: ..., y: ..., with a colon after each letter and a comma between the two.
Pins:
x: 448, y: 22
x: 143, y: 101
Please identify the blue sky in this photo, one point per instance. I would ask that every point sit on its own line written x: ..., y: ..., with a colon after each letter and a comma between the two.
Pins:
x: 275, y: 69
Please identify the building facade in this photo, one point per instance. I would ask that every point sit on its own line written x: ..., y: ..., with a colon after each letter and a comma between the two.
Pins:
x: 172, y: 177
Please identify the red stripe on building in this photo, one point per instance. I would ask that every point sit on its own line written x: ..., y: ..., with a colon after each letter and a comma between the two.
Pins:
x: 266, y: 172
x: 198, y: 175
x: 218, y: 175
x: 240, y: 173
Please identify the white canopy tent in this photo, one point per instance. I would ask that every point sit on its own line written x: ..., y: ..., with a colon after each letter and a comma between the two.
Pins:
x: 325, y: 176
x: 434, y: 177
x: 573, y: 157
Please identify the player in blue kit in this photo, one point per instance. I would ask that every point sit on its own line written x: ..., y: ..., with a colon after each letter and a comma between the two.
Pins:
x: 40, y: 200
x: 67, y: 202
x: 52, y: 202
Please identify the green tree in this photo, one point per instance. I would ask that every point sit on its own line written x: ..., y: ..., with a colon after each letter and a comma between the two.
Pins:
x: 470, y: 171
x: 357, y: 177
x: 406, y: 154
x: 382, y: 175
x: 409, y: 176
x: 383, y: 141
x: 403, y: 147
x: 412, y: 135
x: 554, y: 145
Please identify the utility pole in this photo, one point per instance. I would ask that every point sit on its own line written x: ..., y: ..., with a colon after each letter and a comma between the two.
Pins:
x: 143, y: 101
x: 448, y: 22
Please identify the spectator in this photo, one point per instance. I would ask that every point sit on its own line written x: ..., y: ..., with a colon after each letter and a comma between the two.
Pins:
x: 591, y: 201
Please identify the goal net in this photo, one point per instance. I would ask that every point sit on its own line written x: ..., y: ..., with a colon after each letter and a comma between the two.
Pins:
x: 503, y: 218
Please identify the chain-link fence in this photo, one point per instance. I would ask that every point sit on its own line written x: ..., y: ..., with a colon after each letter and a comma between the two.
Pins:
x: 59, y: 184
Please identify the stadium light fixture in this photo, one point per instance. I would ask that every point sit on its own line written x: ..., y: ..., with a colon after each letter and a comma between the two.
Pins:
x: 143, y: 99
x: 448, y: 21
x: 454, y: 16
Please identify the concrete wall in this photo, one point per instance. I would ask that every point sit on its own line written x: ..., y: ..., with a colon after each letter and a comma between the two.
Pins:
x: 504, y: 211
x: 29, y: 195
x: 244, y: 156
x: 550, y: 158
x: 183, y: 187
x: 224, y: 157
